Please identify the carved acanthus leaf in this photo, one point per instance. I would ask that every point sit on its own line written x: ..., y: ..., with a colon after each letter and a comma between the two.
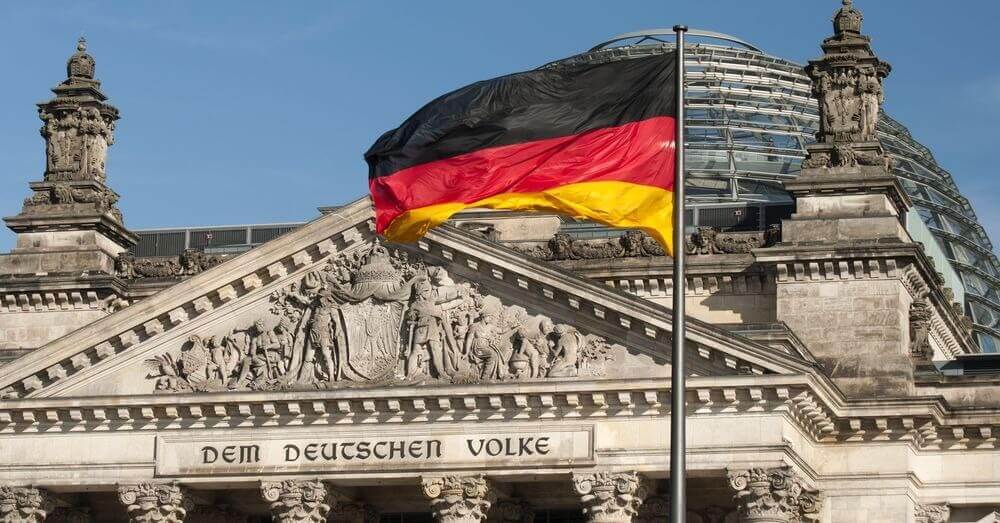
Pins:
x: 932, y: 513
x: 155, y: 502
x: 610, y: 496
x: 24, y: 504
x: 458, y: 498
x: 775, y: 494
x: 297, y: 501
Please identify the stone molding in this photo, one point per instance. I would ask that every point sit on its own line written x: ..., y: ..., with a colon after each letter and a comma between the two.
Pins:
x: 904, y: 262
x: 24, y: 504
x: 458, y: 499
x: 297, y: 501
x: 48, y: 368
x: 931, y: 513
x: 155, y: 502
x: 51, y: 301
x: 736, y: 284
x: 927, y: 423
x: 610, y: 497
x: 773, y: 495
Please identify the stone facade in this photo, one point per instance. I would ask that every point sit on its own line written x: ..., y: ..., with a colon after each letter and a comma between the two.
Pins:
x: 491, y: 372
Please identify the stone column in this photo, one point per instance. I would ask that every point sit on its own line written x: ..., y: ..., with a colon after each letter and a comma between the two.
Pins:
x: 296, y: 501
x: 511, y: 511
x: 353, y: 512
x: 774, y: 495
x: 24, y: 504
x: 931, y: 513
x: 458, y: 499
x: 610, y: 497
x: 154, y: 502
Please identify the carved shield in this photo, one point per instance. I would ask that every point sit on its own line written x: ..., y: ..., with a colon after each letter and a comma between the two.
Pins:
x: 373, y: 339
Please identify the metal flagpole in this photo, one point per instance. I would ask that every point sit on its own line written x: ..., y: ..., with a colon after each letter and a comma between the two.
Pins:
x: 678, y: 412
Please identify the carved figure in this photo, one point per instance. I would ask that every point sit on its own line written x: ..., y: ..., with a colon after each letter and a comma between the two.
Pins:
x: 704, y: 241
x: 920, y: 324
x: 483, y: 344
x: 429, y: 335
x: 344, y: 323
x: 323, y: 337
x: 568, y: 344
x: 534, y: 348
x: 844, y: 156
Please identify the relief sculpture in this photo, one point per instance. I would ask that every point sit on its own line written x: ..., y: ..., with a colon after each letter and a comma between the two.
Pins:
x: 378, y: 316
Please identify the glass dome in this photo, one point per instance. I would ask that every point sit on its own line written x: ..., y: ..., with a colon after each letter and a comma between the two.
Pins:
x: 750, y: 116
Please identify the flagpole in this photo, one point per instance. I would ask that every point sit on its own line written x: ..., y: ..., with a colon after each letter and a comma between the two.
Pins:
x: 678, y: 410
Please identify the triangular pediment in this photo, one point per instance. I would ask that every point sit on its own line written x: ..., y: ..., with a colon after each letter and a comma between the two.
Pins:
x: 329, y: 306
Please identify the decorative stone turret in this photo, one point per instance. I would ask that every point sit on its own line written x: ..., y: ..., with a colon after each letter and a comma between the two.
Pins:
x: 850, y: 282
x: 72, y: 198
x: 70, y: 230
x: 846, y: 191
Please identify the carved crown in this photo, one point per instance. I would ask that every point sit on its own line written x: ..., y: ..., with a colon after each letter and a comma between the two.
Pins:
x: 81, y: 64
x: 378, y: 268
x: 847, y: 19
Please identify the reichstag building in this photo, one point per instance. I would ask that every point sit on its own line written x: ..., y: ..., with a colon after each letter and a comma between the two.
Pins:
x: 842, y: 334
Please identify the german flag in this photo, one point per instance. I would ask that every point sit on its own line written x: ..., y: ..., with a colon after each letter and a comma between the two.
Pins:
x: 590, y: 140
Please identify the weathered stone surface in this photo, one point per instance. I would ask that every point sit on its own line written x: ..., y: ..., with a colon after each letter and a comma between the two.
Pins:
x: 297, y: 501
x: 611, y: 497
x: 24, y: 504
x: 458, y: 499
x: 773, y: 496
x: 155, y: 502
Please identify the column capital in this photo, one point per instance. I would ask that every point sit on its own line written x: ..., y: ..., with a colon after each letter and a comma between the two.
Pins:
x: 610, y: 497
x: 932, y: 513
x: 654, y: 509
x: 24, y: 504
x: 775, y: 495
x: 458, y: 499
x: 512, y: 511
x: 296, y: 501
x: 148, y: 502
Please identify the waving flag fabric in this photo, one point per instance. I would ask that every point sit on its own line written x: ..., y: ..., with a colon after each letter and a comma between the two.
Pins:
x: 590, y: 140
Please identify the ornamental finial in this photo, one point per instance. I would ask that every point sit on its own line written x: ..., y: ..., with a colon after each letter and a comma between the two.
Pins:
x: 81, y: 44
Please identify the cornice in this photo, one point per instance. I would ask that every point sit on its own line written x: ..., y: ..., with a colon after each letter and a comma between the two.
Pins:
x: 810, y: 402
x: 44, y: 371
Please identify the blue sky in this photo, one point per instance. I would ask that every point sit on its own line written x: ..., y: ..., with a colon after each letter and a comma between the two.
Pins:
x: 239, y: 112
